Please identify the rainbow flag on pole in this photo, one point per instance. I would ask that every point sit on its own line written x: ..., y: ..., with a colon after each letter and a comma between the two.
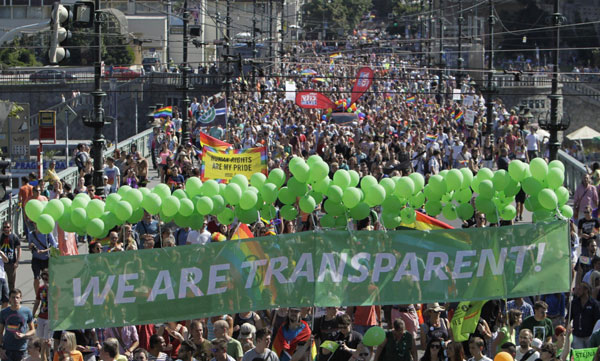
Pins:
x: 164, y: 112
x: 242, y: 232
x: 431, y: 137
x: 458, y: 115
x: 335, y: 56
x: 207, y: 140
x: 410, y: 99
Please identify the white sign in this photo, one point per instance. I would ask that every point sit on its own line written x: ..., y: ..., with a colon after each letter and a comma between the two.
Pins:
x: 468, y: 100
x: 290, y: 91
x: 470, y: 117
x: 455, y: 94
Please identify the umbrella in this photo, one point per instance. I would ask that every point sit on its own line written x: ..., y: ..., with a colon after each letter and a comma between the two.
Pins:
x: 584, y: 133
x: 308, y: 72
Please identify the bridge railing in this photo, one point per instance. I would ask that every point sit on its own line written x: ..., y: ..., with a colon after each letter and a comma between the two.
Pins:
x: 11, y: 209
x: 574, y: 171
x: 591, y: 93
x: 526, y: 81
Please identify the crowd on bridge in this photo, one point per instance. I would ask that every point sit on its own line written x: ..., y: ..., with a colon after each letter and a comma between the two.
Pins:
x: 408, y: 122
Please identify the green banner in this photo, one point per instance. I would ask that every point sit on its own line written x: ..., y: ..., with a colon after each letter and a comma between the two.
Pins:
x: 330, y: 268
x: 583, y: 354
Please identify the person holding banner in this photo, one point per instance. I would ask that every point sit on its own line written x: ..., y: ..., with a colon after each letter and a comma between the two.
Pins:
x: 399, y: 344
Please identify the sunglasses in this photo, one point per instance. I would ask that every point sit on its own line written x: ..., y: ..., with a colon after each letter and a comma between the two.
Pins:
x: 363, y: 354
x: 435, y: 345
x: 6, y: 227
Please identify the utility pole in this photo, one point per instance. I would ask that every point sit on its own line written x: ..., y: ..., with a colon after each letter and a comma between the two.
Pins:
x: 271, y: 58
x: 555, y: 98
x: 490, y: 89
x: 282, y: 32
x: 97, y: 121
x: 460, y: 60
x: 228, y: 72
x: 254, y: 52
x: 440, y: 57
x: 430, y: 33
x: 185, y: 127
x: 421, y: 31
x: 169, y: 8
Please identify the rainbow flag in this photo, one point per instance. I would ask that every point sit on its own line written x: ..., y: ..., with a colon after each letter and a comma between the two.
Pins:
x: 164, y: 112
x: 335, y: 56
x: 388, y: 96
x: 458, y: 115
x: 410, y: 99
x: 207, y: 140
x: 431, y: 137
x: 242, y: 232
x: 428, y: 105
x: 427, y: 223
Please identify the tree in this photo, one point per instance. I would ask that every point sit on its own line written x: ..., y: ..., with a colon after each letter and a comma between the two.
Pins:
x: 341, y: 15
x: 15, y: 54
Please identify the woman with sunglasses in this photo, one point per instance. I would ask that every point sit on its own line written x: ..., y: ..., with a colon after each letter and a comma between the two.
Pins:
x: 68, y: 346
x: 434, y: 350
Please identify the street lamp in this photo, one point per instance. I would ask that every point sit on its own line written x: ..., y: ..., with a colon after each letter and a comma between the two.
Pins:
x: 553, y: 124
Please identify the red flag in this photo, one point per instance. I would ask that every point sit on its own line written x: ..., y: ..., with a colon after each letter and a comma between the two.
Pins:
x: 311, y: 99
x: 364, y: 79
x: 213, y: 142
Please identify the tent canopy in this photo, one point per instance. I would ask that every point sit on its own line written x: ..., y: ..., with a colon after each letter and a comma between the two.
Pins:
x: 583, y: 133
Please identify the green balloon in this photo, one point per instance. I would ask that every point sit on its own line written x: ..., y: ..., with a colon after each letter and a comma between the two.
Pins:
x: 417, y: 200
x: 327, y: 221
x: 226, y: 216
x: 204, y: 205
x: 162, y: 190
x: 335, y: 193
x: 66, y: 202
x: 193, y: 187
x: 432, y: 193
x: 566, y: 211
x: 78, y: 216
x: 123, y: 210
x: 405, y: 187
x: 179, y: 193
x: 341, y: 222
x: 361, y: 211
x: 218, y: 204
x: 485, y: 173
x: 562, y: 195
x: 500, y: 180
x: 449, y: 212
x: 286, y: 196
x: 556, y: 177
x: 111, y: 200
x: 486, y: 189
x: 463, y: 196
x: 467, y: 177
x: 135, y: 197
x: 538, y: 168
x: 391, y: 221
x: 492, y: 217
x: 557, y: 164
x: 374, y: 336
x: 388, y: 184
x: 392, y: 204
x: 307, y: 204
x: 531, y: 203
x: 268, y: 193
x: 322, y: 186
x: 548, y: 199
x: 144, y: 191
x: 123, y: 189
x: 354, y: 178
x: 186, y: 207
x: 475, y: 185
x: 277, y: 177
x: 375, y: 195
x: 222, y: 189
x: 211, y: 188
x: 313, y: 159
x: 531, y: 186
x: 352, y: 196
x: 289, y: 212
x: 542, y: 215
x: 297, y: 187
x: 418, y: 180
x: 517, y: 170
x: 409, y: 215
x: 300, y: 171
x: 367, y: 182
x: 240, y: 180
x: 248, y: 200
x: 151, y: 203
x: 512, y: 188
x: 55, y: 208
x: 170, y: 206
x: 232, y: 194
x: 465, y: 211
x: 45, y: 223
x: 438, y: 184
x: 94, y: 209
x: 454, y: 179
x: 268, y: 212
x: 484, y: 205
x: 508, y: 212
x: 136, y: 216
x: 80, y: 201
x: 318, y: 197
x: 342, y: 178
x: 258, y: 180
x: 333, y: 208
x: 433, y: 208
x: 318, y: 171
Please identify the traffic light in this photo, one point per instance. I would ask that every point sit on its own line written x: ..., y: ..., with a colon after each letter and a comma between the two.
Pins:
x: 61, y: 16
x: 83, y: 14
x: 5, y: 179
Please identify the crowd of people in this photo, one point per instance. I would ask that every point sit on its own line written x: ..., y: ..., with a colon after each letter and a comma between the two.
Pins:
x: 409, y: 122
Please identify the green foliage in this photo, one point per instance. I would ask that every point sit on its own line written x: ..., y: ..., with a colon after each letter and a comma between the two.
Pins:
x: 14, y: 54
x: 341, y: 15
x: 116, y: 52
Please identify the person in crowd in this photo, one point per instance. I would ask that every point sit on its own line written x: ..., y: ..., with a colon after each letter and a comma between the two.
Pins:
x: 585, y: 311
x: 435, y: 325
x: 508, y: 332
x: 187, y: 351
x: 539, y: 325
x: 11, y: 247
x: 68, y: 346
x: 476, y: 347
x: 294, y: 336
x: 261, y: 350
x: 35, y: 350
x: 16, y: 326
x: 203, y: 346
x: 157, y: 349
x: 113, y: 173
x: 109, y: 351
x: 399, y: 344
x: 588, y: 227
x: 234, y: 347
x: 525, y: 352
x: 40, y: 245
x: 434, y: 351
x: 586, y: 195
x: 127, y: 337
x: 43, y: 330
x: 347, y: 339
x: 365, y: 317
x: 219, y: 350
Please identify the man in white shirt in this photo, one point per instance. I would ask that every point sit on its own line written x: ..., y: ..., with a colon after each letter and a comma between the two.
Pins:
x: 476, y: 345
x: 261, y: 350
x: 532, y: 140
x: 525, y: 352
x: 201, y: 237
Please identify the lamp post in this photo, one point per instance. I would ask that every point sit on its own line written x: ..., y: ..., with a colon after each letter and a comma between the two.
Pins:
x: 96, y: 120
x: 185, y: 127
x: 490, y: 89
x: 441, y: 54
x: 460, y: 60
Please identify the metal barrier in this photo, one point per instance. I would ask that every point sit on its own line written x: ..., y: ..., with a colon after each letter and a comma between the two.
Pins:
x: 574, y: 171
x: 11, y: 210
